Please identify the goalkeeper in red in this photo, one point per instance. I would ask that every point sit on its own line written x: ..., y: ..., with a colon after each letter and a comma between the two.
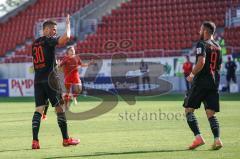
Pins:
x: 205, y: 78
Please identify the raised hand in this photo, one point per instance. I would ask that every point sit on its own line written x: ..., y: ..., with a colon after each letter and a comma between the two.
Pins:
x: 68, y: 19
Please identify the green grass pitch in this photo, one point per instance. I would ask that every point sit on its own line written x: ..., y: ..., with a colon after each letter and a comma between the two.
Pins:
x: 129, y: 132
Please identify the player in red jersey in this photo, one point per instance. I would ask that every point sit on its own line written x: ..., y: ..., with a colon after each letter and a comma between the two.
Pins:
x: 72, y: 81
x: 70, y: 65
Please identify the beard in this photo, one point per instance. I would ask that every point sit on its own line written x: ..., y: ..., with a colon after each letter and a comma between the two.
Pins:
x: 201, y: 37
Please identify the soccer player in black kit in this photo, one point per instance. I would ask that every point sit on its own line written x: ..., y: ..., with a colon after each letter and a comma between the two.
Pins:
x: 205, y: 79
x: 46, y: 81
x: 231, y: 72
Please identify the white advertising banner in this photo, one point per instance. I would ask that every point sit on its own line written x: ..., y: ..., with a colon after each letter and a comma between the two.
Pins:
x: 19, y: 87
x: 105, y: 70
x: 29, y: 70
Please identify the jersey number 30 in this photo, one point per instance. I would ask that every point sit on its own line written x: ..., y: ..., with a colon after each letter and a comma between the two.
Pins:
x: 39, y: 55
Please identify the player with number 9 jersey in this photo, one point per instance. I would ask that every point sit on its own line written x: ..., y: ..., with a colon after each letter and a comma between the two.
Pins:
x: 206, y: 82
x: 209, y: 76
x: 205, y: 78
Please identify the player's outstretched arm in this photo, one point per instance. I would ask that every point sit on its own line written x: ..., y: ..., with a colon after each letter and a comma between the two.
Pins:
x: 87, y: 64
x: 66, y: 36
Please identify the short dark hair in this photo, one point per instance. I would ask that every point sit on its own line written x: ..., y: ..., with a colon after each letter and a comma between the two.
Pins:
x: 49, y: 23
x: 210, y: 26
x: 69, y: 48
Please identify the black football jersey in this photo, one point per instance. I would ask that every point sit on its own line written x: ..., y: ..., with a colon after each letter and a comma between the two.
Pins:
x: 43, y: 53
x: 209, y: 76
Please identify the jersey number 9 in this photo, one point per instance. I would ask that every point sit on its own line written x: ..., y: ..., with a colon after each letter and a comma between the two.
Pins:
x: 213, y: 60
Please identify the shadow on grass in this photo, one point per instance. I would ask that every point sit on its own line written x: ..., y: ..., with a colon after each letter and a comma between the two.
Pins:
x: 12, y: 121
x: 18, y: 150
x: 98, y: 154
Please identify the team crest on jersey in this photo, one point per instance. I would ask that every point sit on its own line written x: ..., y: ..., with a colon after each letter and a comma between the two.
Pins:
x: 199, y: 50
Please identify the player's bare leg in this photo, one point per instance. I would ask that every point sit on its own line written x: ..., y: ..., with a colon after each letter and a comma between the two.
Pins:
x: 67, y: 97
x: 62, y: 122
x: 193, y: 124
x: 76, y: 90
x: 217, y: 144
x: 36, y: 121
x: 75, y: 100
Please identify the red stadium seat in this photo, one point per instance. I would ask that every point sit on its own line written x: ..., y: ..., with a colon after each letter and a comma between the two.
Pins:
x: 150, y: 24
x: 22, y: 24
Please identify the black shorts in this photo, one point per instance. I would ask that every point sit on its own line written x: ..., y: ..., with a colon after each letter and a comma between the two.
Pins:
x: 44, y: 92
x: 196, y: 95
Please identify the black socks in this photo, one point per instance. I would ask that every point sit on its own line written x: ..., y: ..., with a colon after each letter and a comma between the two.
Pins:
x: 36, y: 120
x: 192, y: 122
x: 62, y: 122
x: 214, y: 126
